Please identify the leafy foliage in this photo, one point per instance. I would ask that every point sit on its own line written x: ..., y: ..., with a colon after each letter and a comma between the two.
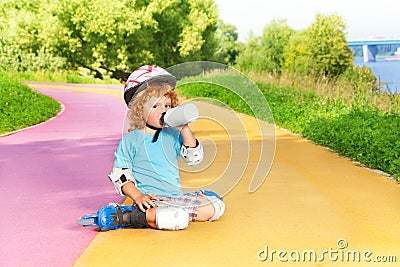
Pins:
x: 121, y: 35
x: 295, y: 54
x: 265, y: 53
x: 26, y: 27
x: 111, y: 36
x: 320, y: 50
x: 228, y: 47
x: 327, y: 46
x: 361, y: 78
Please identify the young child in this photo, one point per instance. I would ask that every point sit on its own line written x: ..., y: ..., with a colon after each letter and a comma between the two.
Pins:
x: 146, y: 163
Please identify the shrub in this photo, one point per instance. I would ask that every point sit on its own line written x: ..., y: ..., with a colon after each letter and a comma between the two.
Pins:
x: 12, y: 58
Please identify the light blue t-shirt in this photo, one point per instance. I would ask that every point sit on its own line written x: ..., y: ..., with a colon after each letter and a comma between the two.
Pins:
x: 154, y: 165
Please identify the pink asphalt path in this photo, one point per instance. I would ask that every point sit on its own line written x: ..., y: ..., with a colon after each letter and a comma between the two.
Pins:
x: 55, y: 172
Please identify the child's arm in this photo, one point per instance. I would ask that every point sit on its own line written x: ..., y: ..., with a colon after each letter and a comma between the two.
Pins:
x: 189, y: 140
x: 144, y: 201
x: 124, y: 183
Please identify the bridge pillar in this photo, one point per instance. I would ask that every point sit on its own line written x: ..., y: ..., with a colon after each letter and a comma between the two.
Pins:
x: 369, y: 53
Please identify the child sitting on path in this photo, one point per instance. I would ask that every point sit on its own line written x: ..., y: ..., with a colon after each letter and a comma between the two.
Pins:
x: 146, y: 163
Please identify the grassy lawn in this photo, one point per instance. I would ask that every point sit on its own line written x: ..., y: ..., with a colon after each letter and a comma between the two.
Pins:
x: 21, y: 107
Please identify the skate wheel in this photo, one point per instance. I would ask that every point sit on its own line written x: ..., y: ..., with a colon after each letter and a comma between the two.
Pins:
x: 88, y: 220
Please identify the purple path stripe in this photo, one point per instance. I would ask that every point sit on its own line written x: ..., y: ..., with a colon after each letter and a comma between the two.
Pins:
x: 54, y: 173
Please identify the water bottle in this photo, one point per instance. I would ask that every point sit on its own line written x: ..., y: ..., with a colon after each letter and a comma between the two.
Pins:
x: 180, y: 115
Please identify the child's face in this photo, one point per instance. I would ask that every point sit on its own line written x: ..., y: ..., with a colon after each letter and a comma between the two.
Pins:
x: 154, y: 108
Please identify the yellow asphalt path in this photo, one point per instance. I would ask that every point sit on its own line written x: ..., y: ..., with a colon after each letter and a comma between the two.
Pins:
x: 311, y: 201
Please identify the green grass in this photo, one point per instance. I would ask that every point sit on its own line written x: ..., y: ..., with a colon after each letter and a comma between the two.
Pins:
x: 358, y: 130
x: 365, y: 135
x: 62, y: 76
x: 21, y: 107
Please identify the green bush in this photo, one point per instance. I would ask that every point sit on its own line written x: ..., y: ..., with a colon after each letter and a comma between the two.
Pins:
x: 13, y: 58
x: 362, y: 79
x: 367, y: 136
x: 21, y: 107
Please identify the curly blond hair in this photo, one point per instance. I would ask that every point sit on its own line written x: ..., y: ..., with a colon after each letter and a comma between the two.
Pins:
x: 157, y: 89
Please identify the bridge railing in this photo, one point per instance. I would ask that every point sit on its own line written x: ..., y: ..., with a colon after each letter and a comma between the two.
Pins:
x: 370, y: 46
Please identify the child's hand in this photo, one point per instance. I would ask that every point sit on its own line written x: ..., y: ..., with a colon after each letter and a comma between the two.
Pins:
x: 145, y: 201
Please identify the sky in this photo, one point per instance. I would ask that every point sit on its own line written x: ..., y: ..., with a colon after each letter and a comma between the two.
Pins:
x: 364, y: 18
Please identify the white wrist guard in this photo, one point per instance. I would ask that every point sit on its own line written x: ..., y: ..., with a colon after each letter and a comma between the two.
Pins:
x: 119, y: 177
x: 192, y: 155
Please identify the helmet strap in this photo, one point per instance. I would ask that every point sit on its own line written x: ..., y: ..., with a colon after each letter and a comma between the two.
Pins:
x: 157, y: 133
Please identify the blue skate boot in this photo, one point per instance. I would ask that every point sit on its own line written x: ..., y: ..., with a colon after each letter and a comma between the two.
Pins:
x: 115, y: 216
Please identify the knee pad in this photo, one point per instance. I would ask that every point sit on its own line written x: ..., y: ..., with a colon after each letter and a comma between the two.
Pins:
x: 171, y: 218
x: 216, y: 201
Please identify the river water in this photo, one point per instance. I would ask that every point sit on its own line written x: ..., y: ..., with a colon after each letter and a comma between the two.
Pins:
x: 387, y: 71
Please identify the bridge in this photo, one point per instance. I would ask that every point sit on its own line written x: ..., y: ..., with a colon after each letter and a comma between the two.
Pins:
x: 370, y: 46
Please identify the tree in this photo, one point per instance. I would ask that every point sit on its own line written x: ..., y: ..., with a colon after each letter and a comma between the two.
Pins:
x: 265, y: 53
x: 296, y: 55
x: 110, y: 36
x: 228, y: 47
x: 250, y: 57
x: 118, y: 36
x: 25, y: 28
x: 325, y: 47
x: 274, y: 40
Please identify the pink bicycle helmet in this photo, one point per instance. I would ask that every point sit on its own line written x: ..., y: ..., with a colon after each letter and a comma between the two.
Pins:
x: 143, y: 77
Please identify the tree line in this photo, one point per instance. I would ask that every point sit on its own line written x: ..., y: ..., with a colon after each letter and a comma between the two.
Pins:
x: 112, y: 38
